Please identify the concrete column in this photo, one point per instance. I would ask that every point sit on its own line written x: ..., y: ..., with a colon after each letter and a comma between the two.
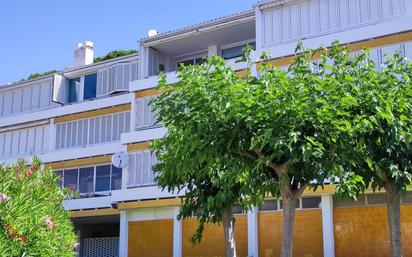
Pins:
x: 252, y: 232
x: 133, y: 114
x: 177, y: 234
x: 213, y: 50
x: 123, y: 235
x: 125, y: 170
x: 52, y: 136
x: 327, y: 226
x: 259, y: 32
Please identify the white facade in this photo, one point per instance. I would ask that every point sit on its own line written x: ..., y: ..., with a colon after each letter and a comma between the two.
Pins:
x: 33, y: 114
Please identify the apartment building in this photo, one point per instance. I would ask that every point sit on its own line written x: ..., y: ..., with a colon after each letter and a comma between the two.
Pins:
x: 92, y: 124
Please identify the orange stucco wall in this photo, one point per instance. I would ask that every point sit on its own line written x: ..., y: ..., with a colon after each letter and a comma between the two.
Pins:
x: 212, y: 244
x: 363, y: 231
x: 308, y: 240
x: 152, y: 238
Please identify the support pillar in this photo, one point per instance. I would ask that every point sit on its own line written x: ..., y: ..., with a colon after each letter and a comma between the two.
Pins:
x: 177, y: 234
x: 123, y: 235
x: 252, y: 232
x: 327, y: 226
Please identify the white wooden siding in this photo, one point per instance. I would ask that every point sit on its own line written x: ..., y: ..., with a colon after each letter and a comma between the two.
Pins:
x: 27, y: 98
x: 379, y: 54
x: 145, y: 118
x: 24, y: 141
x: 307, y: 18
x: 140, y: 168
x: 90, y: 131
x: 116, y: 78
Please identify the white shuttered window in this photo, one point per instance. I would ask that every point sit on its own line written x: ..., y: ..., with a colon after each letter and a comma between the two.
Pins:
x: 307, y: 18
x: 24, y: 141
x: 90, y: 131
x: 27, y: 98
x: 116, y: 78
x: 145, y: 118
x: 140, y: 168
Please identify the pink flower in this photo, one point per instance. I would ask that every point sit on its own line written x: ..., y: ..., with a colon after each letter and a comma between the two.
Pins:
x: 49, y: 222
x: 3, y: 197
x: 34, y: 168
x: 29, y: 174
x: 24, y: 239
x: 72, y: 186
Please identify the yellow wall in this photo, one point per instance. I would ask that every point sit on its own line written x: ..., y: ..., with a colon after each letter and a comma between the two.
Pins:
x: 307, y: 241
x: 152, y: 238
x: 363, y: 231
x: 212, y: 244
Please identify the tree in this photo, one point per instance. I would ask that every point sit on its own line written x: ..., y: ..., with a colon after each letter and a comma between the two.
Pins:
x: 284, y: 127
x: 194, y: 161
x: 32, y: 219
x: 381, y: 131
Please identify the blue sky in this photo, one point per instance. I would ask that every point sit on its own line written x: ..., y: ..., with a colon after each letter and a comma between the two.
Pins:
x: 36, y: 36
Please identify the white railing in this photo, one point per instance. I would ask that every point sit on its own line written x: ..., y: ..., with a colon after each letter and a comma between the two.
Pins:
x: 90, y: 131
x: 26, y: 98
x: 140, y: 168
x: 26, y: 141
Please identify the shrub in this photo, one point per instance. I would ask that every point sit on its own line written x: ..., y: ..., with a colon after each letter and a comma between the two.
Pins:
x: 32, y: 219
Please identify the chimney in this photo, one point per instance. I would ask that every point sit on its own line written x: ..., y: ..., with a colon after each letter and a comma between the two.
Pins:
x: 83, y: 54
x: 152, y: 33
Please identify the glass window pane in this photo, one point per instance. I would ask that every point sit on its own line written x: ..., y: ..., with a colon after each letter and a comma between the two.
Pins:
x: 236, y: 51
x: 116, y: 178
x: 311, y: 202
x: 281, y: 204
x: 186, y: 63
x: 237, y: 209
x: 376, y: 199
x: 74, y: 88
x: 407, y: 197
x: 86, y: 180
x: 348, y: 202
x: 269, y: 205
x: 59, y: 174
x: 90, y: 86
x: 70, y: 178
x: 103, y: 178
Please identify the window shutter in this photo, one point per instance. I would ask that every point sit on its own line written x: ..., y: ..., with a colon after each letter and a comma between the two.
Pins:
x: 60, y: 89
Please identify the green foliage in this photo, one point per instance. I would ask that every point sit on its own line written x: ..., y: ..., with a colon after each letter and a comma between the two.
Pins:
x: 32, y: 219
x: 114, y: 54
x: 38, y: 75
x: 381, y: 124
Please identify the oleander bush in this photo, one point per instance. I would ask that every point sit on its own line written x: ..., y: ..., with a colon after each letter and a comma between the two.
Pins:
x: 32, y: 219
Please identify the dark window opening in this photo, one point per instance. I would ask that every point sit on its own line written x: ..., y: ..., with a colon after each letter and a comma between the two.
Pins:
x: 90, y: 86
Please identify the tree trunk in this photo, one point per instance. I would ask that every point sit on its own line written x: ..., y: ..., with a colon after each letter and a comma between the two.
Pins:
x: 229, y: 230
x: 394, y: 219
x: 289, y: 199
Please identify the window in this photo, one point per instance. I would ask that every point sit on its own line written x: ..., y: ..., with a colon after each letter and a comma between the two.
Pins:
x: 91, y: 181
x: 86, y: 183
x: 116, y: 178
x: 74, y: 89
x: 347, y: 202
x: 376, y: 199
x: 71, y: 177
x: 311, y: 202
x: 192, y: 61
x: 90, y: 86
x: 236, y: 51
x: 269, y: 205
x: 59, y: 174
x: 103, y: 178
x: 237, y: 209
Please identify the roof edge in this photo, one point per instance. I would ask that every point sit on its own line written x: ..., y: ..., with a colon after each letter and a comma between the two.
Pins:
x: 198, y: 26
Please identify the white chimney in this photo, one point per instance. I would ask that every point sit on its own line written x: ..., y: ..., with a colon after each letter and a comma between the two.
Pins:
x: 83, y: 54
x: 152, y: 32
